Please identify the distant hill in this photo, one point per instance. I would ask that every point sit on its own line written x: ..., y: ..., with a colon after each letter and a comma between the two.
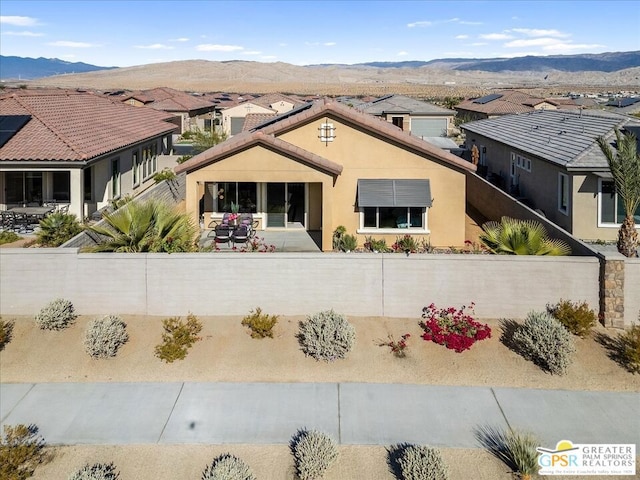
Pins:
x: 20, y: 68
x: 601, y: 62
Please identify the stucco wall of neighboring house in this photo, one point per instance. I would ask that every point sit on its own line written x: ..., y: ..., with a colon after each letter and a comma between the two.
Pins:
x: 585, y: 210
x: 365, y: 156
x: 240, y: 111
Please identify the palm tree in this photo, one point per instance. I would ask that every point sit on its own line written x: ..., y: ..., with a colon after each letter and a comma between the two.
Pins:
x: 625, y: 168
x: 150, y: 226
x: 520, y: 237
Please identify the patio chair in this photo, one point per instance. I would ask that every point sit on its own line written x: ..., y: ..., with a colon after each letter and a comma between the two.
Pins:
x: 7, y: 220
x: 22, y: 223
x: 240, y: 234
x: 222, y: 234
x: 246, y: 219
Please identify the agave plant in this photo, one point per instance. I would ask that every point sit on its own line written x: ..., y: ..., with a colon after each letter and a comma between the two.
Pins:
x: 521, y: 237
x: 150, y: 226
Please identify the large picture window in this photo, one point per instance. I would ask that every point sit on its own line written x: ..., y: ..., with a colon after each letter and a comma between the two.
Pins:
x: 393, y: 217
x: 243, y: 194
x: 610, y: 208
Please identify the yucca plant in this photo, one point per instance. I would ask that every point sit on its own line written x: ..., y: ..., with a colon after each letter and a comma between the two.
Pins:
x: 521, y: 237
x: 518, y: 450
x: 150, y: 226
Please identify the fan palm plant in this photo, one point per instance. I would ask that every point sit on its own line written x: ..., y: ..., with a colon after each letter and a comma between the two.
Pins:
x: 520, y: 237
x: 625, y: 168
x: 150, y: 226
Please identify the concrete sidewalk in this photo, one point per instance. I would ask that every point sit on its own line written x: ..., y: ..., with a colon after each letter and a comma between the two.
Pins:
x: 352, y: 413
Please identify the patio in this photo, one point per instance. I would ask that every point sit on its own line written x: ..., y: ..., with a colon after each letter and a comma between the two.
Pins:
x: 291, y: 240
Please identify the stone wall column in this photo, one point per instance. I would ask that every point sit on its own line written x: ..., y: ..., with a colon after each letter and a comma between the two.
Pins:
x: 612, y: 292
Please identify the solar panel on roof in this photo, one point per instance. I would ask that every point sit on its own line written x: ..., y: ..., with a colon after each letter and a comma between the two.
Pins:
x: 487, y: 98
x: 623, y: 102
x: 10, y: 125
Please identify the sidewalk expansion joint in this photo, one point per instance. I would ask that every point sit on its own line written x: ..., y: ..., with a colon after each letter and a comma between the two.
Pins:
x: 339, y: 419
x: 500, y: 408
x: 170, y: 413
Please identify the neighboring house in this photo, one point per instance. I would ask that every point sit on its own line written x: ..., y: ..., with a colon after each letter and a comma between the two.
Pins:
x: 233, y: 117
x: 278, y: 102
x: 550, y: 160
x: 192, y: 112
x: 626, y: 105
x: 77, y: 148
x: 325, y: 165
x: 421, y: 119
x: 502, y: 103
x: 252, y: 120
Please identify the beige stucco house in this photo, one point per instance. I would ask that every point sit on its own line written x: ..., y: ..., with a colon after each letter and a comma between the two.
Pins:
x: 550, y: 160
x: 329, y: 165
x: 233, y: 117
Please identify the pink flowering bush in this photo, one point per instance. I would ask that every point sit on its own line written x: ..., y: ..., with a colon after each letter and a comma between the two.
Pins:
x: 454, y: 328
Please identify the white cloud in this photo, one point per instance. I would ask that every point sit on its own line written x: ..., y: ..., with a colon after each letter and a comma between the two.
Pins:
x: 466, y: 22
x: 533, y: 42
x: 283, y: 44
x: 536, y: 32
x: 155, y: 46
x: 65, y: 43
x: 329, y: 44
x: 24, y: 34
x: 268, y: 57
x: 208, y: 47
x: 251, y: 52
x: 478, y: 44
x: 571, y: 46
x: 181, y: 39
x: 419, y: 24
x: 18, y: 21
x: 495, y: 36
x: 461, y: 37
x: 402, y: 54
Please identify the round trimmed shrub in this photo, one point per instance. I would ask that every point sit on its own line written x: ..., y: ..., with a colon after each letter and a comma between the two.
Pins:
x: 545, y: 341
x: 228, y: 467
x: 98, y: 471
x: 56, y: 315
x: 326, y: 336
x: 313, y: 453
x: 104, y: 336
x: 419, y: 462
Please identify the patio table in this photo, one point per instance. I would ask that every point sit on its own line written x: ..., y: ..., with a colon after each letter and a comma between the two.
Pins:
x: 37, y: 212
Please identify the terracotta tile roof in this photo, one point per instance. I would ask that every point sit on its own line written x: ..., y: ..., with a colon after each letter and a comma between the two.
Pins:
x: 510, y: 101
x: 76, y: 126
x: 268, y: 136
x: 170, y: 100
x: 252, y: 120
x: 271, y: 98
x: 245, y: 140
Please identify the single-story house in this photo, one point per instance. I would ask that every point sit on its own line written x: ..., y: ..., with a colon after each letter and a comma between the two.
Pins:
x: 191, y: 112
x: 550, y: 160
x: 421, y: 119
x: 233, y: 117
x: 77, y: 148
x: 325, y: 165
x: 497, y: 104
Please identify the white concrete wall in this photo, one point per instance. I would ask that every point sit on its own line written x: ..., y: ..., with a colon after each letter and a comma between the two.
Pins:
x: 632, y: 291
x: 290, y: 283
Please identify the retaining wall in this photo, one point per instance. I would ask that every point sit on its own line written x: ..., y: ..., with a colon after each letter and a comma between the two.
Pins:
x: 291, y: 283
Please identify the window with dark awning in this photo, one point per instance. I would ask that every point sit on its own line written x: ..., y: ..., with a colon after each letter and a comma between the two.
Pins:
x: 394, y: 193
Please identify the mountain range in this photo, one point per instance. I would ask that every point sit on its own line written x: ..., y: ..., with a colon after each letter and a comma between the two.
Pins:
x: 21, y: 68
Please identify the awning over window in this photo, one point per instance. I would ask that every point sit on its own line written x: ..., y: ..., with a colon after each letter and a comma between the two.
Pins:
x: 393, y: 193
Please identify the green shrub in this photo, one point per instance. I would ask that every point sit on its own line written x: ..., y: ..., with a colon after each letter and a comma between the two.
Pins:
x: 313, y: 453
x: 543, y: 340
x: 630, y: 351
x: 406, y: 244
x: 228, y: 467
x: 6, y: 332
x: 261, y: 325
x: 419, y: 462
x: 326, y: 336
x: 7, y: 236
x: 373, y: 245
x: 97, y: 471
x: 21, y: 451
x: 338, y: 233
x: 516, y: 449
x: 165, y: 174
x: 578, y: 318
x: 178, y: 337
x: 349, y: 243
x: 58, y: 228
x: 104, y: 336
x: 56, y: 315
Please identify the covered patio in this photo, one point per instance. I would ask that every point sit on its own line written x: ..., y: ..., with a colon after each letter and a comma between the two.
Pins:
x: 289, y: 240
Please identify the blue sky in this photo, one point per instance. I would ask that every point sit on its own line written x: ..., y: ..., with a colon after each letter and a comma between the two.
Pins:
x: 127, y: 33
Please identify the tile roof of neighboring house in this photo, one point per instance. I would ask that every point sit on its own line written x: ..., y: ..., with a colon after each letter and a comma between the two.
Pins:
x: 252, y: 120
x: 76, y: 126
x: 563, y: 137
x: 170, y: 100
x: 310, y: 112
x: 402, y: 104
x: 505, y: 103
x: 273, y: 98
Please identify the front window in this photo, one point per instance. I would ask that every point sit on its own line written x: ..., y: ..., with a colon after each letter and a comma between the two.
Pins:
x: 136, y: 169
x: 563, y: 193
x: 62, y: 186
x: 393, y: 217
x: 115, y: 178
x: 611, y: 208
x: 242, y: 194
